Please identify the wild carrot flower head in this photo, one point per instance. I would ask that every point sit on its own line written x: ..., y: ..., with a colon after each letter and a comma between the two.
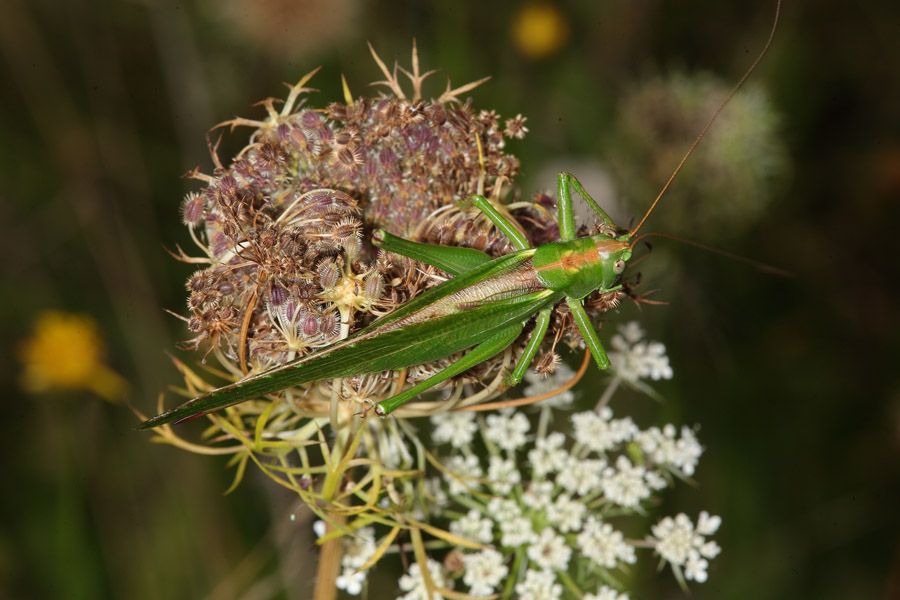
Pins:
x: 537, y: 510
x: 282, y: 229
x: 285, y: 268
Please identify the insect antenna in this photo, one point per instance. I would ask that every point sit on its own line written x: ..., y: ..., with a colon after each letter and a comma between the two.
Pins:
x: 712, y: 119
x: 765, y: 268
x: 637, y: 261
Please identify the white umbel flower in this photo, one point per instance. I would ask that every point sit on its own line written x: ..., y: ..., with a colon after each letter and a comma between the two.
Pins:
x: 351, y: 581
x: 539, y: 585
x: 503, y: 509
x: 507, y: 430
x: 566, y: 513
x: 485, y: 570
x: 708, y: 524
x: 634, y: 358
x: 681, y: 544
x: 550, y: 551
x: 465, y: 470
x: 358, y: 548
x: 517, y: 532
x: 502, y: 474
x: 663, y: 447
x: 606, y: 593
x: 675, y: 538
x: 538, y: 495
x: 414, y: 585
x: 548, y: 454
x: 599, y: 432
x: 473, y: 527
x: 457, y: 428
x: 581, y: 476
x: 695, y: 567
x: 604, y: 545
x: 538, y: 385
x: 625, y: 484
x: 631, y: 332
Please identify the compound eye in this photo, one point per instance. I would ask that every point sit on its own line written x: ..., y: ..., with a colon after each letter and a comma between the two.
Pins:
x: 619, y: 266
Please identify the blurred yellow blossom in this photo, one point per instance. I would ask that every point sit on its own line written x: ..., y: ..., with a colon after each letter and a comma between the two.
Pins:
x: 65, y: 352
x: 539, y: 29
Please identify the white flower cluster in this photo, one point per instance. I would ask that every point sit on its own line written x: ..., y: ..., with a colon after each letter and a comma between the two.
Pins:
x: 485, y: 570
x: 663, y: 447
x: 414, y: 585
x: 547, y: 506
x: 456, y: 428
x: 554, y: 510
x: 635, y: 358
x: 683, y: 545
x: 538, y: 385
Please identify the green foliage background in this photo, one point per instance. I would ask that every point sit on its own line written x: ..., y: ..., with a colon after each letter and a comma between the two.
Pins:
x: 103, y: 104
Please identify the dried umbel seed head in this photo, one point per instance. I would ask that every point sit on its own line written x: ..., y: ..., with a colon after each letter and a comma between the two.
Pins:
x: 373, y: 287
x: 329, y: 274
x: 277, y: 295
x: 284, y: 229
x: 192, y: 209
x: 547, y: 363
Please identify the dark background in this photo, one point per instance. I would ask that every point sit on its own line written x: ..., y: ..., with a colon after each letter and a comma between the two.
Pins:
x: 103, y: 105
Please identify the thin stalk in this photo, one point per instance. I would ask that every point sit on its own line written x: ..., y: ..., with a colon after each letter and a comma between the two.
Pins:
x: 329, y: 566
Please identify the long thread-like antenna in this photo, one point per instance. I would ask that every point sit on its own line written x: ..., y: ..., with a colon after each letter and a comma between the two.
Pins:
x: 749, y: 261
x: 710, y: 122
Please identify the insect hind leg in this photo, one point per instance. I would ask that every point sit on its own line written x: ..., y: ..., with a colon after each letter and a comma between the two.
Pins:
x: 451, y: 259
x: 480, y: 353
x: 504, y: 224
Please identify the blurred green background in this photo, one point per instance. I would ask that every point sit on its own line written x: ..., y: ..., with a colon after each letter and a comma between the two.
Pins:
x: 104, y: 104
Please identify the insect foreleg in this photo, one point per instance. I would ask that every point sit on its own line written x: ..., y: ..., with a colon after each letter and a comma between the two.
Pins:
x: 534, y: 343
x: 583, y: 322
x: 480, y: 353
x: 452, y: 259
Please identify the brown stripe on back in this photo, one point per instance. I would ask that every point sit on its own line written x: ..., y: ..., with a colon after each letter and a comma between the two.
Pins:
x: 572, y: 261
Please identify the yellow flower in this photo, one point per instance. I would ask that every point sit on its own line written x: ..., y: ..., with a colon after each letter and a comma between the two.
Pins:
x: 66, y: 353
x: 539, y: 30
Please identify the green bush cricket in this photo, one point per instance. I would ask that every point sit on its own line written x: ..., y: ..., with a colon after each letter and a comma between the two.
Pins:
x: 485, y: 306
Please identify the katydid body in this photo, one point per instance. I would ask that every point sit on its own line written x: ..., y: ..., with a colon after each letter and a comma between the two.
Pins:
x: 485, y: 306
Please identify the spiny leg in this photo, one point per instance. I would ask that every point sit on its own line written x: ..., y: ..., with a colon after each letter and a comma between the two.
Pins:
x: 541, y: 323
x: 591, y: 339
x: 477, y: 355
x: 508, y: 228
x: 452, y: 259
x: 566, y: 179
